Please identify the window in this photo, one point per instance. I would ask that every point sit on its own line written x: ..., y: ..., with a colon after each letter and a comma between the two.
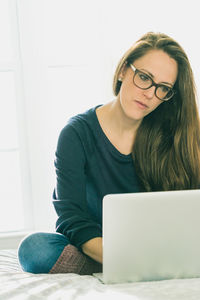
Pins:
x: 12, y: 213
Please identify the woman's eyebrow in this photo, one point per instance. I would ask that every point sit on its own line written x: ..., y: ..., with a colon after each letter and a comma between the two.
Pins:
x: 147, y: 72
x: 153, y: 77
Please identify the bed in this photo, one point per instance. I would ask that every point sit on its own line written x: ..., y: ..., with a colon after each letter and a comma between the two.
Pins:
x: 18, y: 285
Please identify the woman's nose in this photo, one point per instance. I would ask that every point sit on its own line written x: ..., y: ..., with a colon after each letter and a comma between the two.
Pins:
x: 149, y: 93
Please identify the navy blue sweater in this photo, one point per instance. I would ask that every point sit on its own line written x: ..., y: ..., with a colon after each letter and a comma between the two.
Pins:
x: 88, y: 167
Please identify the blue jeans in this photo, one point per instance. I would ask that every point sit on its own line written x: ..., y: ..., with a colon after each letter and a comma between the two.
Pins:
x: 38, y: 252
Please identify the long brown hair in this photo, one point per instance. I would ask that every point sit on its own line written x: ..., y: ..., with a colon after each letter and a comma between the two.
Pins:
x: 166, y: 151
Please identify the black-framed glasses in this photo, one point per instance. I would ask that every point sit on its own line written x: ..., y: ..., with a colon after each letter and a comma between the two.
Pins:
x: 144, y: 82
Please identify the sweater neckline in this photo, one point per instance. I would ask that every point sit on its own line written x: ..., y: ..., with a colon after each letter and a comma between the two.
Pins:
x: 112, y: 148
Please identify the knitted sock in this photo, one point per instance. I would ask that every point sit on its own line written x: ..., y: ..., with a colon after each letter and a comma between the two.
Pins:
x: 72, y: 260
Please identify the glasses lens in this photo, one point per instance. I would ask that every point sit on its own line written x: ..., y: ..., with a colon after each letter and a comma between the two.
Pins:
x: 164, y: 92
x: 142, y: 80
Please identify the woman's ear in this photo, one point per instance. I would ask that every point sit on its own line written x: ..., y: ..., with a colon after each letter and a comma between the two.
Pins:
x: 122, y: 71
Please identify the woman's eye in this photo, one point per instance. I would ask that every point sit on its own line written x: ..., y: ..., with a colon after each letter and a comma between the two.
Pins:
x: 144, y: 77
x: 165, y: 89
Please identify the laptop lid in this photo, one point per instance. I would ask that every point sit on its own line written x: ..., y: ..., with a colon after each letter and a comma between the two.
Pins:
x: 151, y: 236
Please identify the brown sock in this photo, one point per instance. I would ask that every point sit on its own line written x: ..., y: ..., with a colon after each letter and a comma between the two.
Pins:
x: 72, y: 260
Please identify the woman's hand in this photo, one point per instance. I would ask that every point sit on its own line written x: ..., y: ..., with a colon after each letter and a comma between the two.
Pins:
x: 94, y: 249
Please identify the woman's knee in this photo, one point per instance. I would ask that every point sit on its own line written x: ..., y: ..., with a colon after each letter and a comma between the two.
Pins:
x: 38, y: 252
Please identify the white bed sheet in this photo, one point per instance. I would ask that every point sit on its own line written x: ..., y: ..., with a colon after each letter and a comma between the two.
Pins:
x: 18, y: 285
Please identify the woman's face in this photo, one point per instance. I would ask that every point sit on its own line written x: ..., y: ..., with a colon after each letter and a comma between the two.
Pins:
x: 137, y: 103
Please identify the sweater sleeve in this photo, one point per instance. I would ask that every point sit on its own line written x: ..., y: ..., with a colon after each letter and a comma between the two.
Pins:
x: 69, y: 197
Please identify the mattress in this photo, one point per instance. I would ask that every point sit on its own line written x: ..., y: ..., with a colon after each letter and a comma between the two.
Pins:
x: 18, y: 285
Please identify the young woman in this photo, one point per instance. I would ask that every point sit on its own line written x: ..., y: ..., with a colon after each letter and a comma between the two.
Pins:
x: 146, y: 139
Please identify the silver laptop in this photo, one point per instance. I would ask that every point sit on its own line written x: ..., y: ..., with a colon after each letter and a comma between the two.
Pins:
x: 151, y: 236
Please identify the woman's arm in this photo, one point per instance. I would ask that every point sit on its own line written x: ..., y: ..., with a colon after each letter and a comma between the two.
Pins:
x: 94, y: 249
x: 70, y: 196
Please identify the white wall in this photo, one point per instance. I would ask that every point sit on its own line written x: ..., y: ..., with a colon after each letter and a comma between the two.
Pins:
x: 69, y: 52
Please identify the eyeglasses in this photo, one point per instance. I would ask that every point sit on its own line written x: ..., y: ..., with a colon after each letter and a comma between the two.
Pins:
x: 144, y: 82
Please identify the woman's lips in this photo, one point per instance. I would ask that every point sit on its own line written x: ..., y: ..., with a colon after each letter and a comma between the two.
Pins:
x: 141, y: 104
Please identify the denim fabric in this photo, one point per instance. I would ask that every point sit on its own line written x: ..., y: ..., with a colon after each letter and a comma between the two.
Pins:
x: 38, y: 252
